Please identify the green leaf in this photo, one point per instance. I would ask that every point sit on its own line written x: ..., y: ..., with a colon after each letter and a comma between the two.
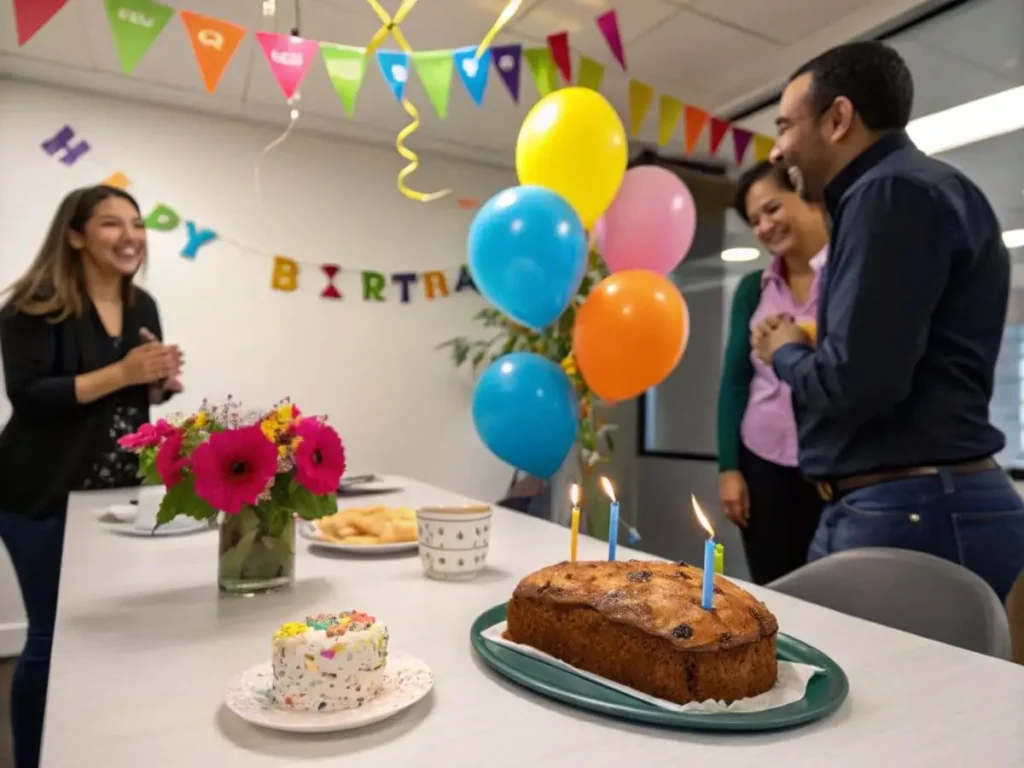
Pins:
x: 234, y: 559
x: 182, y: 500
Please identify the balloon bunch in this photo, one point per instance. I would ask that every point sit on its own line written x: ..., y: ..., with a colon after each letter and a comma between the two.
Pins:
x: 528, y: 255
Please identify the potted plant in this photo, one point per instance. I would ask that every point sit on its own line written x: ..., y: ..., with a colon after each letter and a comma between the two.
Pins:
x: 257, y: 471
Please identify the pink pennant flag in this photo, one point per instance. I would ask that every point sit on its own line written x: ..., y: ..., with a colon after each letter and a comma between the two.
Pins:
x: 740, y: 142
x: 32, y: 15
x: 559, y: 45
x: 608, y: 23
x: 719, y: 128
x: 289, y: 58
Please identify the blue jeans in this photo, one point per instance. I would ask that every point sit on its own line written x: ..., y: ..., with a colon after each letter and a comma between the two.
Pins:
x: 35, y: 547
x: 975, y: 520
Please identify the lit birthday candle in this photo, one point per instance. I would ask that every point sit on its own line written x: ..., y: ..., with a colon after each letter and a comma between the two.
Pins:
x: 574, y: 540
x: 613, y: 516
x: 707, y: 594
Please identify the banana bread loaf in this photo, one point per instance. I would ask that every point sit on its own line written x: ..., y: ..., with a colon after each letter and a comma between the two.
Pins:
x: 641, y: 624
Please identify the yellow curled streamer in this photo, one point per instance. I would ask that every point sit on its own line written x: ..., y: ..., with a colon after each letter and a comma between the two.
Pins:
x: 389, y: 26
x: 413, y: 158
x: 504, y: 18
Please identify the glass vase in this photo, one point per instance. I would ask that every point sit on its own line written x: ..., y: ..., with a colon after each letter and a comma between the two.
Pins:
x: 256, y: 552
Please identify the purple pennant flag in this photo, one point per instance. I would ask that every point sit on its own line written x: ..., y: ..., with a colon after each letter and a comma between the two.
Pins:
x: 740, y: 142
x: 507, y: 61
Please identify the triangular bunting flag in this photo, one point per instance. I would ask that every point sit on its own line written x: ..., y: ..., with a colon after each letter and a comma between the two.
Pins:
x: 640, y: 97
x: 472, y: 71
x: 32, y: 15
x: 346, y: 66
x: 719, y: 128
x: 558, y: 44
x: 214, y: 42
x: 591, y: 74
x: 542, y: 67
x: 696, y: 119
x: 289, y: 58
x: 508, y: 61
x: 740, y: 141
x: 435, y: 72
x: 136, y: 24
x: 670, y: 109
x: 762, y: 147
x: 608, y: 23
x: 394, y: 65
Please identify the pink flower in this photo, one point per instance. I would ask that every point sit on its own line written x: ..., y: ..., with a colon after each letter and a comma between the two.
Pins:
x: 233, y: 468
x: 319, y: 457
x: 169, y: 461
x: 147, y: 436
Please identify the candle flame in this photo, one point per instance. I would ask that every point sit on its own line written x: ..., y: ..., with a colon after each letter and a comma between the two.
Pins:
x: 608, y: 488
x: 574, y: 494
x: 701, y: 518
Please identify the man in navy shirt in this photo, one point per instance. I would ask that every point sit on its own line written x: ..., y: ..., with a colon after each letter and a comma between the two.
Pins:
x: 892, y: 404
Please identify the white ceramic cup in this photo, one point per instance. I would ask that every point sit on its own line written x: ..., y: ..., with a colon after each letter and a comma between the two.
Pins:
x: 453, y: 540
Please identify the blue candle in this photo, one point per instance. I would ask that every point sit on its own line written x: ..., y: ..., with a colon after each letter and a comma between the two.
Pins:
x: 708, y: 591
x: 613, y: 517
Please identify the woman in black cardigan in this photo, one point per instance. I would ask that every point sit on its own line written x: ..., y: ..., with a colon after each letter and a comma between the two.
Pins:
x: 83, y: 360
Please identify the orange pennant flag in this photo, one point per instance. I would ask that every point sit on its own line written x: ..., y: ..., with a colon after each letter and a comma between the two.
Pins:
x: 214, y: 42
x: 696, y: 119
x: 763, y: 147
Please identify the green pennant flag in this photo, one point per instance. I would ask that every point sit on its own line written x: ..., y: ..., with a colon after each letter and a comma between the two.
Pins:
x: 435, y: 72
x: 136, y: 24
x: 542, y: 67
x: 590, y: 74
x: 346, y: 66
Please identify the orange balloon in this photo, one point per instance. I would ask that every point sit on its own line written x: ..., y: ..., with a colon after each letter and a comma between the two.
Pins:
x: 630, y: 333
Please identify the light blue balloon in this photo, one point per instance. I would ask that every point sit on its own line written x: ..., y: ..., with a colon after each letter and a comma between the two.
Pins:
x: 524, y: 409
x: 528, y: 254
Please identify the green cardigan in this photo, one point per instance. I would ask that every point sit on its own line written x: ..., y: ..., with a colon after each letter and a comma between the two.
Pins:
x: 737, y: 371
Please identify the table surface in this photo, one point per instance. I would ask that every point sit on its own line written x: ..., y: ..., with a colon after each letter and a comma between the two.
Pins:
x: 144, y: 648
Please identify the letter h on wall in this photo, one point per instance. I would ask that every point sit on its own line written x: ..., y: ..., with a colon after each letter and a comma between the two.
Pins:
x: 61, y: 141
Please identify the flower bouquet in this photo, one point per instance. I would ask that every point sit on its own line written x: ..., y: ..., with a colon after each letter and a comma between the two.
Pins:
x: 260, y: 469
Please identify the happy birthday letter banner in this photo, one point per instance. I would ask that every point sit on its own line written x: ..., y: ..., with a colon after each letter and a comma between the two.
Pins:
x: 68, y: 148
x: 136, y: 24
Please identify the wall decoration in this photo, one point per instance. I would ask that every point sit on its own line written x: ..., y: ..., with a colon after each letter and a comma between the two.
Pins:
x: 137, y: 23
x: 376, y: 286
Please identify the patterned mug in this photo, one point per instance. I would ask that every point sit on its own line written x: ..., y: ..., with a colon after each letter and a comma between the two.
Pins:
x: 454, y: 540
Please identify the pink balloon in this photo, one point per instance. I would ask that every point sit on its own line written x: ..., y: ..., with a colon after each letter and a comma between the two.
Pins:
x: 650, y: 223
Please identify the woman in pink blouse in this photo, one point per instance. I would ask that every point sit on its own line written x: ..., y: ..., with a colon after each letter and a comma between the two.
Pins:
x: 760, y: 485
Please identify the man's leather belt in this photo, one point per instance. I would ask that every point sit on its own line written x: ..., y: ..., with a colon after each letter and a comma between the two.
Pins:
x: 832, y: 490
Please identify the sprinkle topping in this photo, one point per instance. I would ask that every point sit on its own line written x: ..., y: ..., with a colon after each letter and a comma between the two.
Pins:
x: 322, y: 621
x: 290, y: 629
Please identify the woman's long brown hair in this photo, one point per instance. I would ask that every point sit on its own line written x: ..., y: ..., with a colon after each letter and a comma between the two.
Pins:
x: 54, y: 284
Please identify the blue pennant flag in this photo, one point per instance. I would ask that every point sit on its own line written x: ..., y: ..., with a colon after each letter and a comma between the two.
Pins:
x: 394, y: 65
x: 473, y: 71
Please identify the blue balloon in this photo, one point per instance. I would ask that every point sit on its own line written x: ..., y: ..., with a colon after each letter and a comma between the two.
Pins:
x: 528, y: 254
x: 524, y: 409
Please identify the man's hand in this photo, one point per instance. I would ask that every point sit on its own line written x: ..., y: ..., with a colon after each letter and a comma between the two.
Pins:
x: 776, y: 332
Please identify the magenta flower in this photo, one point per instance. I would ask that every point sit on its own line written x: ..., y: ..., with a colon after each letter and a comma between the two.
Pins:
x: 147, y: 436
x: 169, y: 462
x: 319, y: 457
x: 233, y: 468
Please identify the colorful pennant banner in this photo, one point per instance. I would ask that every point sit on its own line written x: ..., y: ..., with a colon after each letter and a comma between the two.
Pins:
x: 373, y: 285
x: 136, y: 24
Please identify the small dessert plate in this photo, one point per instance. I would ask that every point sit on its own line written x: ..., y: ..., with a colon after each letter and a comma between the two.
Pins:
x: 250, y: 696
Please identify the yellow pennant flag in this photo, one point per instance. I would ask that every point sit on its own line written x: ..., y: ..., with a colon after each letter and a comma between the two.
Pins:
x: 670, y: 110
x: 641, y: 96
x: 763, y: 146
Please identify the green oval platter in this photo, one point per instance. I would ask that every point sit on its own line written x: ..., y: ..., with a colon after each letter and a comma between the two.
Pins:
x: 825, y: 692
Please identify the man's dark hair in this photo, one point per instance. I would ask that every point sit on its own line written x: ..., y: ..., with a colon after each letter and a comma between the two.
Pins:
x: 873, y: 76
x: 763, y: 170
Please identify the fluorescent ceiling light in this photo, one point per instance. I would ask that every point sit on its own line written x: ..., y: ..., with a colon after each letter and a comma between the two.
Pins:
x: 968, y: 123
x: 1013, y: 238
x: 740, y: 254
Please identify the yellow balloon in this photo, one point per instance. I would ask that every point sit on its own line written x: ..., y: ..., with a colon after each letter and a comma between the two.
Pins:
x: 573, y: 143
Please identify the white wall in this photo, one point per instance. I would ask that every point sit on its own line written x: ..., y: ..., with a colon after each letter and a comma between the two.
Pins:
x: 398, y: 403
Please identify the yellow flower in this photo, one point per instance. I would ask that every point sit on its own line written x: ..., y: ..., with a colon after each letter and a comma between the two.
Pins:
x: 569, y: 365
x: 270, y: 428
x: 200, y: 420
x: 286, y: 414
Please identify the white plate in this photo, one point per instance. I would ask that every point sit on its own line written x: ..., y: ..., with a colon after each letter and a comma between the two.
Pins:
x: 129, y: 529
x: 406, y: 681
x: 308, y: 531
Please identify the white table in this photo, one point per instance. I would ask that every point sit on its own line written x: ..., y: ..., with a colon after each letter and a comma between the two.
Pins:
x: 144, y: 648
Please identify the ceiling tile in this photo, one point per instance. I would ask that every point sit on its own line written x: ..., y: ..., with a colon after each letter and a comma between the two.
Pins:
x: 784, y: 21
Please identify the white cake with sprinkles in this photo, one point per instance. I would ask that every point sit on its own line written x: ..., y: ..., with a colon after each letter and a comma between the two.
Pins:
x: 329, y: 662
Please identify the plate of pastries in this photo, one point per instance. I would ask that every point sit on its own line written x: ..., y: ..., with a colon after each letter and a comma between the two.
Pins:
x: 361, y: 530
